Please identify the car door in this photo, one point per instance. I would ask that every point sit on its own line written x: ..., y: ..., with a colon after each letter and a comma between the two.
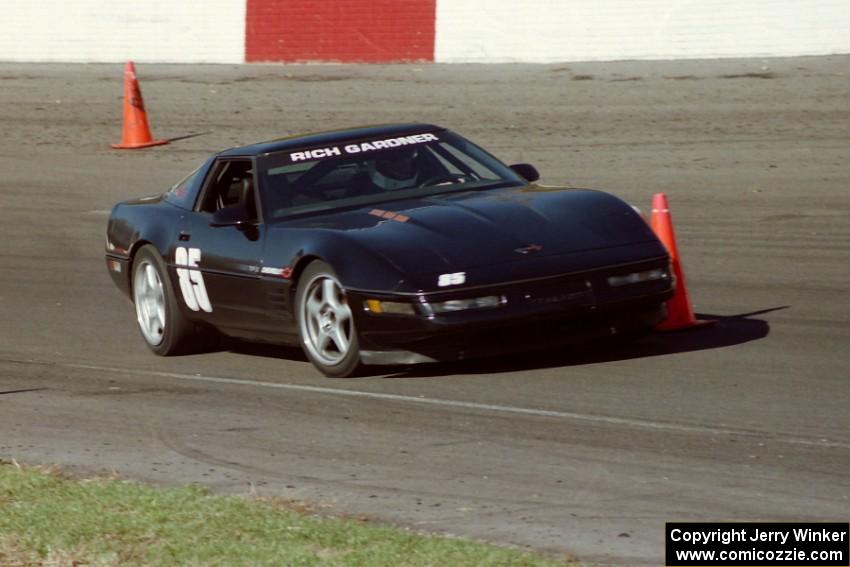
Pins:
x: 218, y: 265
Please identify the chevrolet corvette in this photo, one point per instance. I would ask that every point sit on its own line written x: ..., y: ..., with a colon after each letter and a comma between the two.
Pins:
x: 392, y: 244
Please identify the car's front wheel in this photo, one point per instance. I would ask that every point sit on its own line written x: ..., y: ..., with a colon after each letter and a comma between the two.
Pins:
x: 164, y: 328
x: 325, y: 322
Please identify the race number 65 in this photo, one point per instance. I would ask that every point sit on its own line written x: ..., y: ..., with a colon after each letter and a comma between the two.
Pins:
x: 191, y: 280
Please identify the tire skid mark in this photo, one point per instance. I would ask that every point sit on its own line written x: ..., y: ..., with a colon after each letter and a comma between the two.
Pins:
x: 171, y: 441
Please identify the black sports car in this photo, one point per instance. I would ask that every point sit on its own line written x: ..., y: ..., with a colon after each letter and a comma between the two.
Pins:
x: 390, y: 244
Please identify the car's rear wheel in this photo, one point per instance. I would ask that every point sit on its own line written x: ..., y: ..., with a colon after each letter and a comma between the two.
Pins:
x: 325, y: 322
x: 164, y: 328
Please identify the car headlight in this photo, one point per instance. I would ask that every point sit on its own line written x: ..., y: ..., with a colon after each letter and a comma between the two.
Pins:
x: 638, y: 277
x: 389, y: 307
x: 486, y: 302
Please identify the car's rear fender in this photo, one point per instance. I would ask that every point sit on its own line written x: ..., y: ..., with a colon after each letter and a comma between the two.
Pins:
x: 133, y: 225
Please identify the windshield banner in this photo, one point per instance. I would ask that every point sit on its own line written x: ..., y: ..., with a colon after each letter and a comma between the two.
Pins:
x: 360, y: 147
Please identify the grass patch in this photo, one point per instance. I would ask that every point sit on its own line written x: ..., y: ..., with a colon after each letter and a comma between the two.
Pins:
x: 46, y: 519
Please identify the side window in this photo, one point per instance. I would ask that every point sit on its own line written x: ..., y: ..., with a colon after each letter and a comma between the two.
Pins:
x: 231, y: 182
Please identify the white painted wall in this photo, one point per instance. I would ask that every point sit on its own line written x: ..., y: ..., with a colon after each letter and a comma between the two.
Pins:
x: 588, y: 30
x: 187, y: 31
x: 193, y: 31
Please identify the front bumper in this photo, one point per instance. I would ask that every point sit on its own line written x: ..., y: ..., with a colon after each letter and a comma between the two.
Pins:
x: 538, y: 313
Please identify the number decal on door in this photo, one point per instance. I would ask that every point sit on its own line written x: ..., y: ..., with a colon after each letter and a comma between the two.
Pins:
x: 192, y: 280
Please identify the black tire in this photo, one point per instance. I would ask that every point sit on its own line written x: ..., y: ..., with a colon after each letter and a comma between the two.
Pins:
x: 325, y: 322
x: 166, y: 332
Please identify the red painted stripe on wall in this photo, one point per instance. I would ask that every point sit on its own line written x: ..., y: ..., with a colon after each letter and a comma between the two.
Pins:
x: 373, y: 31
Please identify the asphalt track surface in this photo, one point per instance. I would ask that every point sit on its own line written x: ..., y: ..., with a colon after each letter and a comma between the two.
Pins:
x: 585, y: 452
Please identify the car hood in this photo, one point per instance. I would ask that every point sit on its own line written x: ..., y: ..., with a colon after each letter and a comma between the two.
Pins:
x: 459, y: 231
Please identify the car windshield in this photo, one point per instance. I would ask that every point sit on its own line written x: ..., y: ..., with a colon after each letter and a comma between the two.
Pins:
x: 367, y: 172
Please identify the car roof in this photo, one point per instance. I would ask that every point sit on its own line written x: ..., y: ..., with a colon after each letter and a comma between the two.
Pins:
x: 329, y: 137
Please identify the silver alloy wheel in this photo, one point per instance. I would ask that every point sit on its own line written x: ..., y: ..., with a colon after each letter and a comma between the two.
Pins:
x: 149, y: 298
x: 325, y: 319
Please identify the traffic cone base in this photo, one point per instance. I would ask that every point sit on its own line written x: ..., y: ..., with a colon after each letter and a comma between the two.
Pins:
x: 680, y: 312
x: 123, y: 146
x: 667, y: 326
x: 135, y: 133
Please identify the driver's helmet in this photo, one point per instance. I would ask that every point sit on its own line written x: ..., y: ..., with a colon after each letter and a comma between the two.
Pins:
x: 395, y: 169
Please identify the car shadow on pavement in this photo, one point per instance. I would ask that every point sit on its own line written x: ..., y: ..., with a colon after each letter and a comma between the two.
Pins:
x: 728, y: 330
x: 239, y: 346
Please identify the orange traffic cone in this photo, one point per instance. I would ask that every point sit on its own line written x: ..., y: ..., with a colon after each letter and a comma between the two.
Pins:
x: 136, y: 133
x: 679, y: 309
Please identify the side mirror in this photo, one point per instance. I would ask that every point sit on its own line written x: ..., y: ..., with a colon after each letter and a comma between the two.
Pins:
x: 233, y: 215
x: 526, y: 171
